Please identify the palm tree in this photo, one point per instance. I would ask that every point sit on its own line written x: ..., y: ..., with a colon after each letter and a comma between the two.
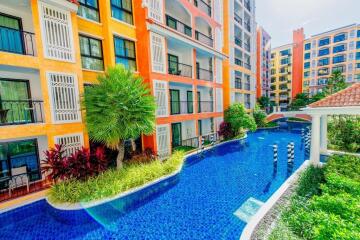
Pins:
x: 120, y: 107
x: 335, y: 83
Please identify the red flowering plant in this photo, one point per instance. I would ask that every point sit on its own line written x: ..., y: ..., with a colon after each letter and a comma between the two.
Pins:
x: 226, y: 130
x: 80, y: 165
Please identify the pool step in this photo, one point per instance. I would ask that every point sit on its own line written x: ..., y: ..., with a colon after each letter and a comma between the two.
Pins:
x: 248, y: 209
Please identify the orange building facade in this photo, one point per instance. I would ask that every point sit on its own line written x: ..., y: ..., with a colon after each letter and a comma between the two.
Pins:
x: 263, y: 52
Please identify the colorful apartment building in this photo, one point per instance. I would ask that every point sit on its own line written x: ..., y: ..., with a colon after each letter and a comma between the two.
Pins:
x: 324, y: 53
x: 286, y: 71
x: 263, y: 62
x: 181, y: 59
x: 240, y: 45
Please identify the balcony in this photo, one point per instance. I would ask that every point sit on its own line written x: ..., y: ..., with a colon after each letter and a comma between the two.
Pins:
x: 204, y: 38
x: 203, y: 6
x: 238, y: 62
x: 238, y: 19
x: 179, y: 69
x: 205, y: 106
x: 247, y: 5
x: 247, y: 26
x: 181, y: 107
x: 247, y: 86
x: 16, y: 41
x: 204, y: 74
x: 15, y: 112
x: 178, y: 26
x: 238, y: 84
x: 247, y: 46
x: 247, y: 66
x: 238, y: 41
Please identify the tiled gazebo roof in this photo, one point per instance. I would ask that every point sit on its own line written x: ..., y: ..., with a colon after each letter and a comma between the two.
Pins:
x: 348, y: 97
x: 73, y: 1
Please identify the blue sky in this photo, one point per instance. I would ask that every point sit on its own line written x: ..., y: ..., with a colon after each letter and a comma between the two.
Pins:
x: 280, y: 17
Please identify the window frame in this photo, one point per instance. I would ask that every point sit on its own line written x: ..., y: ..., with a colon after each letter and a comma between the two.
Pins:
x: 327, y: 48
x: 92, y: 8
x: 322, y: 59
x: 307, y: 56
x: 339, y: 34
x: 341, y: 55
x: 90, y: 56
x: 124, y: 47
x: 307, y: 48
x: 324, y: 39
x: 123, y: 9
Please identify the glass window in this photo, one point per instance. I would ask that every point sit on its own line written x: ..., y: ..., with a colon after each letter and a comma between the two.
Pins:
x: 323, y: 42
x: 285, y: 52
x: 307, y: 65
x: 324, y: 51
x: 339, y: 59
x: 323, y: 62
x: 323, y: 71
x: 339, y: 48
x: 125, y: 52
x: 340, y: 37
x: 307, y: 46
x: 358, y: 44
x: 306, y: 74
x: 89, y: 9
x: 358, y: 65
x: 285, y: 61
x: 307, y: 56
x: 338, y: 68
x: 322, y: 81
x: 10, y: 34
x: 91, y: 53
x: 122, y: 10
x: 358, y: 33
x: 358, y: 56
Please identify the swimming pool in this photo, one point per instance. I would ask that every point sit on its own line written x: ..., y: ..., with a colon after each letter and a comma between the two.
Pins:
x: 199, y: 203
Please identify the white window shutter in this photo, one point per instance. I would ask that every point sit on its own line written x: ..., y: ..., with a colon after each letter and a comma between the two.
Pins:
x: 163, y: 140
x: 57, y: 33
x: 160, y: 92
x: 155, y: 10
x: 219, y: 100
x: 70, y: 143
x: 158, y: 53
x: 64, y: 95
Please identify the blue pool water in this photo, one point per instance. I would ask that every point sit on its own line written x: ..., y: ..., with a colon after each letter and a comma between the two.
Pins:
x: 199, y: 203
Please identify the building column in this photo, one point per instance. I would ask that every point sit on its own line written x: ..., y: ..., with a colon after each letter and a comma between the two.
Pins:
x: 323, y: 133
x: 315, y: 140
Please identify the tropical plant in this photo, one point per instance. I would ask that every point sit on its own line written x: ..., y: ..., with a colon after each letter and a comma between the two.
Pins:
x: 114, y: 181
x: 264, y: 102
x: 300, y: 101
x: 239, y: 119
x: 80, y: 165
x: 259, y: 117
x: 226, y: 131
x: 120, y: 107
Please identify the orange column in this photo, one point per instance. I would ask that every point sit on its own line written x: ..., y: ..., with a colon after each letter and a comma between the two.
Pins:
x: 298, y: 61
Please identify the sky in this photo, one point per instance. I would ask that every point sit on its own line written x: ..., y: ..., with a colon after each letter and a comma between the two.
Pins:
x: 280, y: 17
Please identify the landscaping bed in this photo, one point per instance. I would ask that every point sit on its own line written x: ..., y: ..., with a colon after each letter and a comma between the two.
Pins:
x: 323, y: 205
x: 113, y: 182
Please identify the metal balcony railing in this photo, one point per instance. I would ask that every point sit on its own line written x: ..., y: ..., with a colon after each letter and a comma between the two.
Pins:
x: 181, y: 107
x: 204, y: 74
x: 191, y: 142
x: 16, y: 41
x: 179, y: 69
x: 178, y: 26
x: 204, y: 38
x: 247, y: 65
x: 14, y: 112
x: 201, y: 4
x: 210, y: 137
x: 205, y: 106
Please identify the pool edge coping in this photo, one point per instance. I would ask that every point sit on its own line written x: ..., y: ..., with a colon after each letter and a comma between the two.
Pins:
x: 78, y: 206
x: 268, y: 205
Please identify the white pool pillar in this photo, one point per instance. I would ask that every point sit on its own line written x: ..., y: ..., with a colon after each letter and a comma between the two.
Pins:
x: 315, y: 140
x: 323, y: 133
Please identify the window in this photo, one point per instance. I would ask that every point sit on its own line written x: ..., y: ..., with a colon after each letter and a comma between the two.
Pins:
x: 122, y: 10
x: 157, y: 44
x: 307, y: 56
x: 339, y: 59
x: 57, y: 33
x: 323, y: 71
x: 273, y: 55
x: 89, y: 9
x: 71, y: 142
x: 339, y: 48
x: 358, y: 65
x: 307, y: 46
x: 11, y: 36
x: 358, y: 56
x: 17, y: 154
x: 323, y: 42
x: 340, y: 37
x: 306, y: 74
x: 125, y: 52
x: 273, y: 71
x: 285, y: 61
x: 323, y: 62
x: 64, y: 97
x: 285, y: 52
x: 322, y: 81
x: 91, y: 53
x: 324, y: 51
x: 358, y: 33
x: 357, y: 44
x: 155, y: 10
x: 307, y: 65
x: 338, y: 68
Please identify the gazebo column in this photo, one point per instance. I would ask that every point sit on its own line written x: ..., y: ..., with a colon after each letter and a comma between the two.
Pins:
x: 323, y: 133
x: 315, y: 140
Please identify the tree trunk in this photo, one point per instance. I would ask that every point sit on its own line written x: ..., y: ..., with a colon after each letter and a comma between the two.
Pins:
x: 133, y: 145
x: 120, y: 156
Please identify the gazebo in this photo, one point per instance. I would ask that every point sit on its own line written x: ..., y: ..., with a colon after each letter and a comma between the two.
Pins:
x: 344, y: 102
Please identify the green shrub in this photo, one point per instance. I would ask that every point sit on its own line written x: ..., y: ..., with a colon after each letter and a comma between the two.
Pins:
x: 239, y: 119
x: 260, y: 118
x: 309, y: 182
x: 113, y: 182
x: 344, y: 165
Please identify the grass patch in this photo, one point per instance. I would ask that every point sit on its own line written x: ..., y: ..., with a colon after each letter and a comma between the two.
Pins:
x: 326, y: 203
x: 113, y: 182
x: 184, y: 148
